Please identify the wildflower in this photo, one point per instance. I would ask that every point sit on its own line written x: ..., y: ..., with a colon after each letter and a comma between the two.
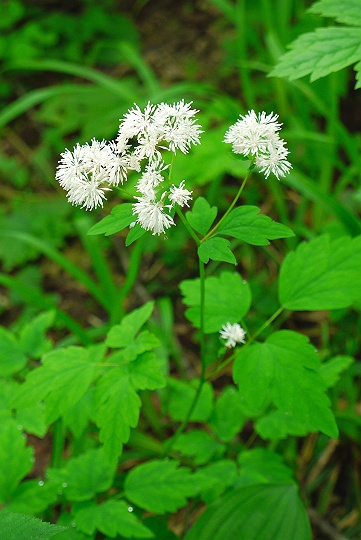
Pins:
x: 274, y: 159
x: 233, y: 333
x: 152, y: 176
x: 151, y: 215
x: 180, y: 195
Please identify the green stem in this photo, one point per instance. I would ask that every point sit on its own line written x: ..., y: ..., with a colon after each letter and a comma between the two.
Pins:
x: 232, y: 205
x: 59, y: 432
x: 188, y: 227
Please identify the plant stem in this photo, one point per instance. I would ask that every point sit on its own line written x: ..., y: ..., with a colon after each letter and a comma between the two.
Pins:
x: 59, y: 432
x: 188, y: 227
x: 233, y: 203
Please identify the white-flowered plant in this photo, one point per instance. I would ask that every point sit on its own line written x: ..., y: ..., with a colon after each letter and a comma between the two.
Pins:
x: 233, y: 334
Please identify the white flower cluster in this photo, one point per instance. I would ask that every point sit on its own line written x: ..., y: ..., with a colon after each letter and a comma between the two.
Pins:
x: 90, y: 170
x: 256, y: 137
x: 233, y: 333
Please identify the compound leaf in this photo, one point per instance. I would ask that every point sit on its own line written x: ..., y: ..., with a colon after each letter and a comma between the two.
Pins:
x: 216, y: 249
x: 202, y: 215
x: 120, y: 217
x: 14, y: 526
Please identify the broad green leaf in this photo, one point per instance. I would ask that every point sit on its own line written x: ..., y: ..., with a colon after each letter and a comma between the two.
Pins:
x: 344, y: 11
x: 112, y: 518
x: 63, y: 378
x: 228, y: 416
x: 144, y: 342
x: 78, y: 416
x: 160, y: 486
x: 260, y: 466
x: 202, y: 215
x: 14, y: 526
x: 321, y: 274
x: 259, y: 512
x: 32, y: 419
x: 134, y: 234
x: 34, y: 496
x: 320, y: 53
x: 117, y: 405
x: 12, y: 358
x: 215, y: 478
x: 278, y: 425
x: 227, y: 299
x: 83, y: 476
x: 200, y: 445
x: 124, y: 333
x: 16, y: 459
x: 331, y: 370
x: 247, y: 224
x: 180, y: 396
x: 147, y: 372
x: 282, y: 371
x: 32, y: 337
x: 216, y: 249
x: 120, y: 217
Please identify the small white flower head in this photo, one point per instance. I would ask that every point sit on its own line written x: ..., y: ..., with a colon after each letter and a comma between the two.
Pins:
x: 233, y: 333
x: 252, y: 133
x: 180, y: 195
x: 151, y: 215
x: 87, y: 193
x: 152, y: 176
x: 180, y: 130
x: 274, y: 159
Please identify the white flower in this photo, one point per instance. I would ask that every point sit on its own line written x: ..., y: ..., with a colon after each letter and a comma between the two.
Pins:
x: 152, y: 176
x: 274, y: 159
x: 180, y: 195
x: 70, y: 167
x: 87, y: 193
x: 252, y: 134
x: 233, y: 333
x: 151, y: 215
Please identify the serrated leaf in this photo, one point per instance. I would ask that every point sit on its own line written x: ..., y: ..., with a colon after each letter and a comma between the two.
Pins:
x: 160, y: 486
x: 124, y: 333
x: 120, y: 217
x: 32, y: 337
x: 319, y: 53
x: 83, y: 476
x: 145, y: 341
x: 215, y: 478
x: 282, y: 371
x: 34, y: 496
x: 12, y: 358
x: 202, y: 215
x: 147, y: 372
x: 14, y: 526
x: 117, y: 405
x: 112, y: 518
x: 260, y: 465
x: 180, y: 397
x: 344, y: 11
x: 61, y: 381
x: 216, y: 249
x: 321, y: 274
x: 78, y: 416
x: 278, y: 425
x: 247, y: 224
x: 200, y: 445
x: 331, y: 370
x: 228, y: 416
x: 16, y: 459
x: 279, y: 510
x: 32, y: 419
x: 227, y: 299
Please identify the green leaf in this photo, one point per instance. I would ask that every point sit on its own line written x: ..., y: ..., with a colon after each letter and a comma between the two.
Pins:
x: 147, y: 372
x: 215, y: 478
x: 216, y: 249
x: 15, y: 526
x: 202, y: 215
x: 331, y: 370
x: 34, y: 496
x: 260, y: 466
x: 117, y: 405
x: 112, y: 518
x: 180, y: 397
x: 12, y: 358
x: 60, y: 382
x: 124, y: 333
x: 84, y: 476
x: 134, y: 234
x: 228, y: 416
x: 321, y: 274
x: 319, y: 53
x: 227, y: 299
x: 78, y: 416
x: 16, y: 459
x: 144, y: 342
x: 120, y: 217
x: 278, y: 425
x: 160, y: 486
x: 279, y: 510
x: 33, y: 420
x: 200, y: 445
x: 344, y: 11
x: 32, y: 337
x: 284, y: 370
x: 247, y: 224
